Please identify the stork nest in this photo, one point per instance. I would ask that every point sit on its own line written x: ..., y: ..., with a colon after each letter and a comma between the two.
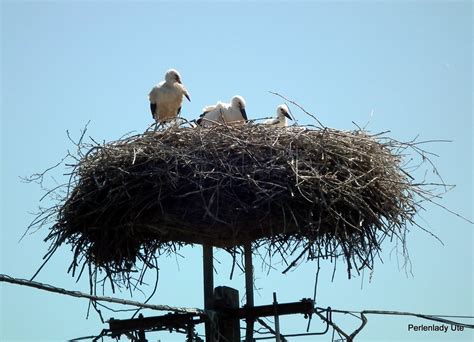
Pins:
x: 299, y: 191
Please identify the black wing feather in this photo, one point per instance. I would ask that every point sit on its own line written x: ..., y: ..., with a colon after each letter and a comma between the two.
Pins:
x: 153, y: 109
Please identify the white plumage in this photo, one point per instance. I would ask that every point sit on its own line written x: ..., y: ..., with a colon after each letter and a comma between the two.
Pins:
x: 283, y: 114
x: 229, y: 113
x: 166, y: 98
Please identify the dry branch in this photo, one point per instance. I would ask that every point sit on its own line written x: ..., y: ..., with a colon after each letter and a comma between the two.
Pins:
x: 298, y: 191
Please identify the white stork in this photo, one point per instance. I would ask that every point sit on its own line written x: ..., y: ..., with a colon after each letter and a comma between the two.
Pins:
x: 283, y: 114
x: 166, y: 97
x: 229, y: 113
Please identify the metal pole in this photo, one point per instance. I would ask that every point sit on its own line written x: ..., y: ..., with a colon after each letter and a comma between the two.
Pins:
x: 208, y: 276
x: 249, y: 288
x: 277, y: 318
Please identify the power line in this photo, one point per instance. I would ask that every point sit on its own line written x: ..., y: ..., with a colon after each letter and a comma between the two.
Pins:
x: 50, y: 288
x: 318, y: 311
x: 384, y: 312
x: 350, y: 337
x: 436, y: 318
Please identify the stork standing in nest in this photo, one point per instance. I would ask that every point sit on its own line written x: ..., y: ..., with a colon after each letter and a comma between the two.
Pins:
x: 166, y: 98
x: 227, y: 113
x: 281, y: 120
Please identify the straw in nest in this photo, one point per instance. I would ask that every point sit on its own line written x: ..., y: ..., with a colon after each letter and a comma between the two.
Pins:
x: 301, y: 191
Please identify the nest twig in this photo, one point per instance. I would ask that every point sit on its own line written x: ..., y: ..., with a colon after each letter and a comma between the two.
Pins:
x: 303, y: 192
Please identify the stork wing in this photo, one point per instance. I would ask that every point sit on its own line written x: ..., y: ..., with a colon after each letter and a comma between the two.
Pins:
x: 208, y: 109
x: 153, y: 109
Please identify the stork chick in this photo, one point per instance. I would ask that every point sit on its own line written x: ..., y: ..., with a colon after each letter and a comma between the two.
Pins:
x: 228, y: 113
x: 281, y: 120
x: 166, y: 97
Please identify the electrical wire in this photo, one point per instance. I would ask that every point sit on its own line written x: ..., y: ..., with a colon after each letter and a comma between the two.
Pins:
x: 78, y: 294
x: 328, y: 319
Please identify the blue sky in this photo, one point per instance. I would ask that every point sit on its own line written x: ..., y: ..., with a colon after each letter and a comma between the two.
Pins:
x: 408, y: 63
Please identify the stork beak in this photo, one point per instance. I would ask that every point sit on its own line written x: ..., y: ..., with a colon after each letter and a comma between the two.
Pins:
x: 287, y: 115
x: 244, y: 113
x: 187, y: 96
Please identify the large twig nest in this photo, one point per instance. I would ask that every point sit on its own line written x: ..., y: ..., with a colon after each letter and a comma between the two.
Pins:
x: 332, y: 193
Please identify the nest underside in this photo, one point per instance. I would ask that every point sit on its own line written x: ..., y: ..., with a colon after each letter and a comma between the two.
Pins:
x: 325, y: 192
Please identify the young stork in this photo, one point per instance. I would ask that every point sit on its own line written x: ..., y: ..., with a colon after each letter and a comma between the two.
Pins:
x: 166, y: 97
x: 281, y: 120
x: 229, y: 113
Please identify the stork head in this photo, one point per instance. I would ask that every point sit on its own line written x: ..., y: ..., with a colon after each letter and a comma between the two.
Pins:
x: 282, y: 111
x: 172, y: 76
x: 238, y: 102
